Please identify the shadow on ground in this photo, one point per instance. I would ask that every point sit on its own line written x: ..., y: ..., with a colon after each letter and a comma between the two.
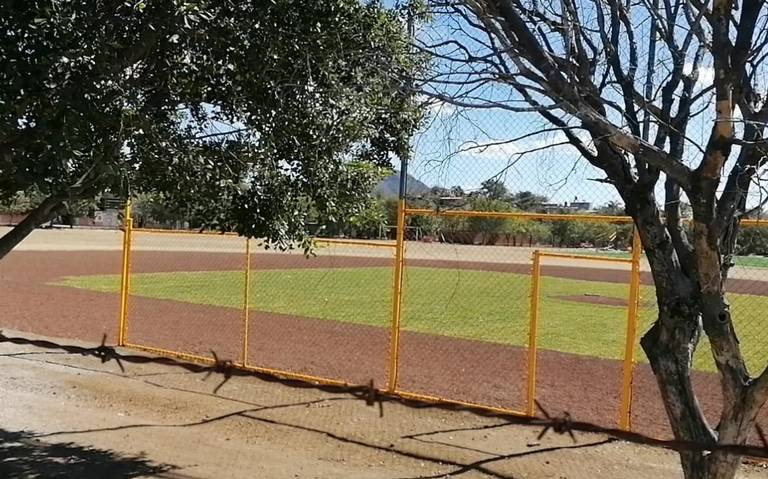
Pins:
x: 23, y: 456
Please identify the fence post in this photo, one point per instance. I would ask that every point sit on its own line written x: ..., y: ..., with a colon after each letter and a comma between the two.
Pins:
x: 625, y: 412
x: 530, y: 403
x: 246, y: 300
x: 125, y: 280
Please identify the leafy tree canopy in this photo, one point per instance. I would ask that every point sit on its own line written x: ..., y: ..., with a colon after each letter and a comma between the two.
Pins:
x: 527, y: 201
x: 494, y: 189
x: 252, y: 114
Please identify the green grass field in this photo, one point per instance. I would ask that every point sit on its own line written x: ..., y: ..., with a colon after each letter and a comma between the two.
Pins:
x: 480, y: 305
x: 743, y: 261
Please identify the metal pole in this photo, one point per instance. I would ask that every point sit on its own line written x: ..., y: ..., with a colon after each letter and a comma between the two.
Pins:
x: 530, y: 403
x: 625, y: 412
x: 649, y: 72
x: 125, y: 282
x: 246, y: 299
x: 397, y: 290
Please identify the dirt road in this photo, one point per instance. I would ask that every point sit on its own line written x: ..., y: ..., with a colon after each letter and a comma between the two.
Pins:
x: 71, y: 416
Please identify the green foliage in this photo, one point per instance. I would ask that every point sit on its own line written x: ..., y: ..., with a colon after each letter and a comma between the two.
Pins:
x: 153, y: 210
x: 451, y: 227
x: 390, y: 210
x: 493, y: 189
x: 250, y: 116
x: 425, y: 226
x: 489, y: 228
x: 576, y: 233
x: 527, y: 201
x: 612, y: 208
x: 534, y: 231
x: 23, y: 202
x: 369, y: 221
x: 419, y: 10
x: 20, y: 203
x: 752, y: 241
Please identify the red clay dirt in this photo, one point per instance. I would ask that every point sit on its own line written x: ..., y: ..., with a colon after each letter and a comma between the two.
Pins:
x: 492, y: 374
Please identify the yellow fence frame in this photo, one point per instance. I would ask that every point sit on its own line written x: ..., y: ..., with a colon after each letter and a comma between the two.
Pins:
x: 246, y: 300
x: 533, y: 334
x: 518, y: 216
x: 397, y: 299
x: 125, y: 280
x: 399, y: 246
x: 628, y: 364
x: 125, y: 291
x: 630, y: 346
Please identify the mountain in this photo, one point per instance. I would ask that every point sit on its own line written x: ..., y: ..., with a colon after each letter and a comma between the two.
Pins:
x: 389, y: 187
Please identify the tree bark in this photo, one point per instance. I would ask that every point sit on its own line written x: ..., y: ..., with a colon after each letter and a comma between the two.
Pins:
x: 45, y: 211
x: 669, y: 346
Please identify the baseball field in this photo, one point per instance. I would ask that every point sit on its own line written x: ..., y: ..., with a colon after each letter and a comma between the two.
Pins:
x: 464, y: 319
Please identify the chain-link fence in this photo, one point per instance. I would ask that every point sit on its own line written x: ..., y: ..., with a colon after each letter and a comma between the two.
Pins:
x: 465, y: 316
x: 187, y: 293
x: 496, y: 309
x: 747, y: 293
x: 455, y: 327
x: 326, y: 315
x: 41, y: 283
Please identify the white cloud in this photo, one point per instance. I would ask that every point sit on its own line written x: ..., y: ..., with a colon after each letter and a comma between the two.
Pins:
x: 706, y: 74
x: 440, y: 108
x: 492, y: 151
x: 435, y: 107
x: 540, y: 144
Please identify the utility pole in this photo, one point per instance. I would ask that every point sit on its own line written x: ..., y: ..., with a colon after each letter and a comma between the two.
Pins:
x: 397, y: 290
x: 649, y: 72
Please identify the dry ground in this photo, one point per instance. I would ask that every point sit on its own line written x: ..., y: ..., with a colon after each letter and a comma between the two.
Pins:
x: 71, y: 416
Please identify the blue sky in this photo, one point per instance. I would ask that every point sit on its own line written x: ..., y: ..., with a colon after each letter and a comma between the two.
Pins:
x: 448, y: 151
x: 462, y: 147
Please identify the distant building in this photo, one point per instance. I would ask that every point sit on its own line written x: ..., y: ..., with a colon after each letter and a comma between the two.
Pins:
x: 548, y: 207
x: 581, y: 205
x: 109, y: 218
x: 574, y: 206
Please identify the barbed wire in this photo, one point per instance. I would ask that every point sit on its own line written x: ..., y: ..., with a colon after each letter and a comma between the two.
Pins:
x: 563, y: 424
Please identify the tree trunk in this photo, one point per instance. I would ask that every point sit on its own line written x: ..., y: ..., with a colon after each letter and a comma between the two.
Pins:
x: 669, y: 346
x: 45, y: 211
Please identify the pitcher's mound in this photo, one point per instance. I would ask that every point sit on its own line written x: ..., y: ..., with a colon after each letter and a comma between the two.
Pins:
x: 594, y: 299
